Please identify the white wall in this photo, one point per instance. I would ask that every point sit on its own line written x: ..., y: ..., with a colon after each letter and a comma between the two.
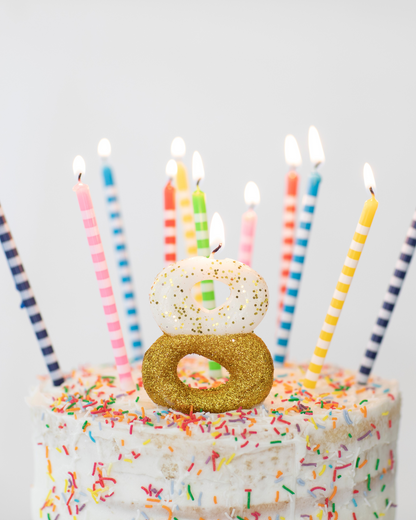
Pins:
x: 232, y: 78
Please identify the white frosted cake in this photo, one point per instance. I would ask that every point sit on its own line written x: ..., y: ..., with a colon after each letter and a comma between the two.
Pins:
x: 328, y: 453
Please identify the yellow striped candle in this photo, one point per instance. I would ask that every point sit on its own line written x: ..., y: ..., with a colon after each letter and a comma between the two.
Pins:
x: 344, y: 282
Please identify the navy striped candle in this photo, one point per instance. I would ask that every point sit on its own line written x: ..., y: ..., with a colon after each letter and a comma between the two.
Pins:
x: 389, y: 302
x: 28, y: 300
x: 120, y: 245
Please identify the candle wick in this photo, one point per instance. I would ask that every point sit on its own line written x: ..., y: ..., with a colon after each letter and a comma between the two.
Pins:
x: 216, y: 249
x: 197, y: 183
x: 317, y: 164
x: 371, y: 190
x: 79, y: 177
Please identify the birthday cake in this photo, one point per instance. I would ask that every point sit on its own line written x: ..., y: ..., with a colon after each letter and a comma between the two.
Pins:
x: 327, y: 453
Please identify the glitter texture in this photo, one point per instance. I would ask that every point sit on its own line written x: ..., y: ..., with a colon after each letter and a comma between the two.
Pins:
x: 245, y: 356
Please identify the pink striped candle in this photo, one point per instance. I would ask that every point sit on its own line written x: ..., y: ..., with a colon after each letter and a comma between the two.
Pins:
x: 103, y: 278
x: 169, y: 196
x: 248, y: 224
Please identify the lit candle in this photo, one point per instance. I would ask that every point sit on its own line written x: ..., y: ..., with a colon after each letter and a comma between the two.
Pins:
x: 248, y: 223
x: 299, y: 252
x: 170, y: 214
x: 387, y: 308
x: 28, y: 301
x: 293, y: 159
x: 344, y: 282
x: 121, y: 255
x: 102, y: 275
x: 201, y: 227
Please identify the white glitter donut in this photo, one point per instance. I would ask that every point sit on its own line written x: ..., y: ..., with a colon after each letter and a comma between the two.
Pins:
x: 176, y: 311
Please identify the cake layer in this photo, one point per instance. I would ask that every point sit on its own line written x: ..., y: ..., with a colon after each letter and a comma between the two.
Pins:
x: 327, y: 453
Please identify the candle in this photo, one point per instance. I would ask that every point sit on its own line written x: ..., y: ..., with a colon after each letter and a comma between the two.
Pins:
x: 28, y: 300
x: 344, y: 282
x: 299, y: 252
x: 248, y: 223
x: 120, y: 249
x: 390, y: 299
x: 170, y: 214
x: 201, y: 227
x: 102, y: 275
x: 293, y: 159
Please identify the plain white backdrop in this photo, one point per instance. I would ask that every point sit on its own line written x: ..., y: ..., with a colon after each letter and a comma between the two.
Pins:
x: 232, y: 78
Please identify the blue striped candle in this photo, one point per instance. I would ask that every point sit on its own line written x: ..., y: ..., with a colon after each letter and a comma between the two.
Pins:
x: 122, y: 259
x: 390, y: 299
x: 296, y: 267
x: 28, y: 300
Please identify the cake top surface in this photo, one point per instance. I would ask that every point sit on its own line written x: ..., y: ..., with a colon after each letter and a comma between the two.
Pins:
x: 91, y: 393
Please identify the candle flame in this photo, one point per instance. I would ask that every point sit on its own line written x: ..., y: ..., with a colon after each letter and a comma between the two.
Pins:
x: 104, y: 148
x: 78, y: 166
x: 178, y: 148
x: 216, y: 231
x: 251, y: 194
x: 171, y: 168
x: 198, y: 171
x: 316, y: 151
x: 369, y: 180
x: 292, y: 152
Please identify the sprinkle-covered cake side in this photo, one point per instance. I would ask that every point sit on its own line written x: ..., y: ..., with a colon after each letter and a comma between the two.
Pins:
x: 326, y: 453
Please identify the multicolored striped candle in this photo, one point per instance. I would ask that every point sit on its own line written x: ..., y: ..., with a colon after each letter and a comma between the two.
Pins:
x: 120, y: 248
x: 248, y: 223
x: 344, y: 282
x: 390, y: 299
x: 28, y: 300
x: 299, y: 252
x: 293, y: 159
x: 202, y: 240
x: 183, y: 192
x: 103, y: 277
x: 169, y: 198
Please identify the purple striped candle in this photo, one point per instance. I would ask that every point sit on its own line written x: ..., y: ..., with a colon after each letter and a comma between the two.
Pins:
x: 103, y: 277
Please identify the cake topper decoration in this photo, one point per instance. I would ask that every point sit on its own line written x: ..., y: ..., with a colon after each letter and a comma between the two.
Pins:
x: 224, y: 334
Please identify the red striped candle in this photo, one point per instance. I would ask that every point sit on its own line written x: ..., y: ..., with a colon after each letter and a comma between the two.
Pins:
x: 103, y: 278
x: 293, y: 159
x: 248, y: 224
x: 170, y: 214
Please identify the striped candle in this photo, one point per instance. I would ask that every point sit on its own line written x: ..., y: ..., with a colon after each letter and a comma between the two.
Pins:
x: 121, y: 255
x: 169, y: 196
x: 344, y: 282
x: 390, y: 299
x: 293, y: 159
x: 103, y: 277
x: 28, y: 300
x: 296, y: 267
x: 248, y: 224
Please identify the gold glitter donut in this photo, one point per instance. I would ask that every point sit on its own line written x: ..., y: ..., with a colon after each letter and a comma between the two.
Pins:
x: 245, y: 356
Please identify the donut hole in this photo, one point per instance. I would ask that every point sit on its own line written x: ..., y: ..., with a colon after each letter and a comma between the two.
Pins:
x: 222, y: 292
x: 198, y: 374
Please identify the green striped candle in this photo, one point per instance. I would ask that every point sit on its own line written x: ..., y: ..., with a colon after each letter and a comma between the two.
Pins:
x: 202, y: 241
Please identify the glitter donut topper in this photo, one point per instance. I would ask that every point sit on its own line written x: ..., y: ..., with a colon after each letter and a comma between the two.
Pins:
x: 176, y: 312
x: 224, y: 334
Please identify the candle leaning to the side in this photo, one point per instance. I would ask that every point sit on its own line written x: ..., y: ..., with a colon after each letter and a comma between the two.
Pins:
x: 344, y: 282
x: 28, y: 300
x: 103, y: 277
x: 121, y: 255
x: 248, y: 224
x: 390, y: 299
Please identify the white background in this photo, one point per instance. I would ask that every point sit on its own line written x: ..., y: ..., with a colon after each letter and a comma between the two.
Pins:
x: 232, y: 78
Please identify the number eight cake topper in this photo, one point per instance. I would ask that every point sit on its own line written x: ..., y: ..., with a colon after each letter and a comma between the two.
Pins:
x: 224, y: 334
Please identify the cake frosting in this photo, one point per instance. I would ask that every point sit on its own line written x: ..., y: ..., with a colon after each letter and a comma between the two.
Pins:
x: 328, y: 453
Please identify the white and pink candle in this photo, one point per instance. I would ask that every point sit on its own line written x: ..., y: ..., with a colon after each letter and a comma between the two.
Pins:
x: 248, y: 224
x: 103, y: 277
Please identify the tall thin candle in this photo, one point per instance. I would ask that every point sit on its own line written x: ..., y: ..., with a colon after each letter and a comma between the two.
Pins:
x: 344, y: 282
x: 103, y: 277
x: 121, y: 253
x: 293, y: 159
x: 299, y: 253
x: 390, y: 299
x: 248, y: 223
x: 28, y: 300
x: 169, y: 196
